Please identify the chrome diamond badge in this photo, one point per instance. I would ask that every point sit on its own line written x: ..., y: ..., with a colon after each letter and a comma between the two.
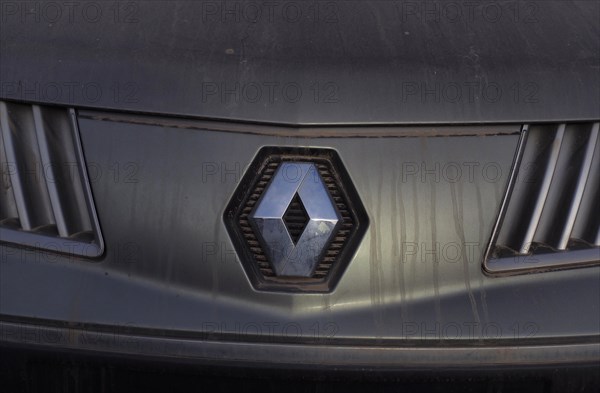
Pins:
x: 291, y: 258
x: 295, y: 219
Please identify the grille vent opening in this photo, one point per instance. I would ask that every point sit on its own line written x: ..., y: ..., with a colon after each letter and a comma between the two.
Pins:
x: 45, y: 197
x: 550, y: 217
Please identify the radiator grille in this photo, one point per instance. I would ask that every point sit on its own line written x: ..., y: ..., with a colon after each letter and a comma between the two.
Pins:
x: 45, y: 199
x: 550, y: 216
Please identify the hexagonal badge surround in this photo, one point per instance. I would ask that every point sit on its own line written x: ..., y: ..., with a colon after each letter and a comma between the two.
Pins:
x: 326, y: 243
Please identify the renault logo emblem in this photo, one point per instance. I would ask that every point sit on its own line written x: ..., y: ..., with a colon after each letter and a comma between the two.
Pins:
x: 295, y: 219
x: 300, y: 181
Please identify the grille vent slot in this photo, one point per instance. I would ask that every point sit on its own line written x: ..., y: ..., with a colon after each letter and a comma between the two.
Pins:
x: 45, y: 197
x: 550, y: 217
